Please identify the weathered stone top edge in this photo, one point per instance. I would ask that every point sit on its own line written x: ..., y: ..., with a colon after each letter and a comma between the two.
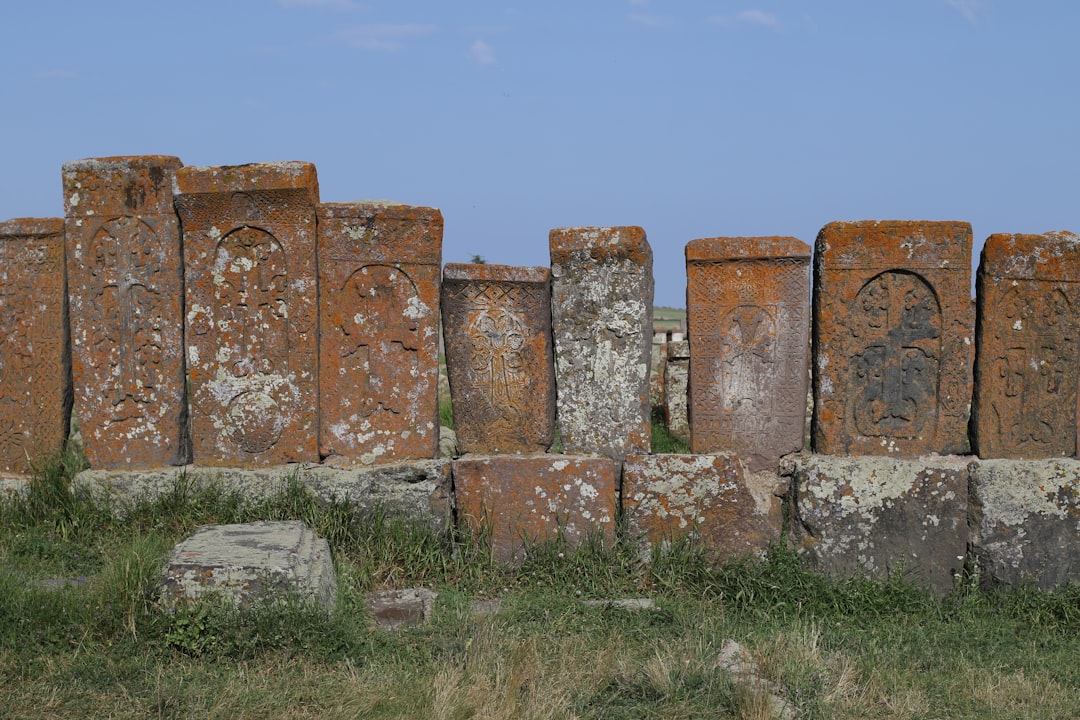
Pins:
x: 37, y: 227
x: 122, y: 162
x: 286, y: 175
x: 746, y: 248
x: 373, y: 208
x: 496, y: 273
x: 626, y: 242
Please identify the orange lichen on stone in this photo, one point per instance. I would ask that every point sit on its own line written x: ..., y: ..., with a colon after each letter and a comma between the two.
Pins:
x: 379, y: 268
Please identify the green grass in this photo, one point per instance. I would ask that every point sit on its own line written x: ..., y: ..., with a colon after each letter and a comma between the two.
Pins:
x: 833, y: 648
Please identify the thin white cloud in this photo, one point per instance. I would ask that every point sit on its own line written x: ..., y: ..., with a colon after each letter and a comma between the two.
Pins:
x: 482, y: 54
x: 967, y: 8
x: 748, y: 17
x: 650, y: 20
x: 383, y: 37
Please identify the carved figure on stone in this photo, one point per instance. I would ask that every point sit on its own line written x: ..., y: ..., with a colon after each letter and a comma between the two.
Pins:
x: 497, y: 338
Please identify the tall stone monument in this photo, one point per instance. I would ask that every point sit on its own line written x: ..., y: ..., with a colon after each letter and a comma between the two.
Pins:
x: 893, y: 338
x: 497, y: 330
x: 601, y: 317
x: 1026, y: 364
x: 748, y: 306
x: 379, y: 268
x: 251, y: 324
x: 125, y: 285
x: 35, y: 397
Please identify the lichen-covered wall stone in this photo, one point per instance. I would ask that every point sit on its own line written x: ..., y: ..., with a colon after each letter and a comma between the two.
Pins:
x: 676, y: 378
x: 601, y: 319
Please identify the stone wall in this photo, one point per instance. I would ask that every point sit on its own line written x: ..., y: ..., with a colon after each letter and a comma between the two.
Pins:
x: 224, y: 323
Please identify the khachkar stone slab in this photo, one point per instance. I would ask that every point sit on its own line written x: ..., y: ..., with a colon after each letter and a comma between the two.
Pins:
x: 708, y: 497
x: 379, y: 267
x: 748, y: 307
x: 251, y: 329
x: 497, y: 331
x: 125, y: 286
x: 601, y: 318
x: 1025, y: 517
x: 1028, y: 290
x: 35, y: 398
x: 518, y: 500
x: 676, y: 381
x: 249, y: 564
x: 892, y: 338
x: 876, y: 516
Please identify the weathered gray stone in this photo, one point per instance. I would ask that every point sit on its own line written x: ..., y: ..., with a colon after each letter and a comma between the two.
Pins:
x: 448, y: 447
x: 877, y: 516
x: 601, y: 316
x: 250, y: 563
x: 657, y: 360
x: 418, y: 490
x: 630, y: 604
x: 393, y: 609
x: 1025, y: 518
x: 676, y: 375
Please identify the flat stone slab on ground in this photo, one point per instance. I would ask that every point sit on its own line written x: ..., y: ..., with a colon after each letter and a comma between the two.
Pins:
x: 250, y: 563
x: 1025, y: 518
x: 393, y: 609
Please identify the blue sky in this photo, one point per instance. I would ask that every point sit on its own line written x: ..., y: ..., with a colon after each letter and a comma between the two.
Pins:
x: 692, y: 119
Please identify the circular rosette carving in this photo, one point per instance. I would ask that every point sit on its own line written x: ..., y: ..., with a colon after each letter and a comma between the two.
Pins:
x: 256, y: 421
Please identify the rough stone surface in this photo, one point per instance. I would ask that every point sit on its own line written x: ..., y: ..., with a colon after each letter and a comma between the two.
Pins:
x: 601, y: 318
x: 251, y: 324
x: 125, y: 285
x: 379, y: 268
x: 250, y: 563
x: 676, y: 379
x: 497, y: 329
x: 522, y: 499
x: 893, y: 338
x: 1028, y: 330
x: 1025, y: 518
x: 666, y: 497
x: 748, y: 308
x: 419, y: 490
x: 35, y: 397
x: 875, y: 516
x: 393, y: 609
x: 657, y: 361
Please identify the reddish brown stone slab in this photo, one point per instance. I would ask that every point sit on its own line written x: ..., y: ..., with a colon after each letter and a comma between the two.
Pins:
x: 893, y: 339
x: 748, y: 307
x: 125, y: 286
x: 497, y: 330
x: 601, y: 315
x: 379, y: 268
x: 35, y: 395
x: 708, y: 497
x: 251, y: 329
x: 1025, y: 403
x: 516, y: 500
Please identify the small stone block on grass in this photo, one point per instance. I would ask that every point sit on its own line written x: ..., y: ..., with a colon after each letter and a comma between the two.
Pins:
x: 528, y: 499
x: 251, y: 563
x: 667, y: 497
x: 393, y: 609
x: 876, y: 516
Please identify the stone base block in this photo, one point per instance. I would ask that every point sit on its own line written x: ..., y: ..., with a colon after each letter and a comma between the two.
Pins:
x: 418, y: 490
x: 250, y: 563
x: 1026, y: 521
x: 393, y: 609
x: 522, y: 499
x: 709, y: 496
x: 876, y: 516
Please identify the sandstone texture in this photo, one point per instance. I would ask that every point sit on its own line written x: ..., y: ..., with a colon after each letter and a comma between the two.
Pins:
x: 125, y: 286
x: 249, y: 564
x: 657, y: 361
x: 601, y: 318
x: 418, y: 490
x: 394, y: 609
x: 497, y: 330
x: 893, y: 338
x: 35, y: 395
x: 379, y: 267
x: 1026, y: 364
x: 676, y: 379
x: 252, y: 313
x: 709, y: 497
x: 875, y: 516
x: 518, y: 500
x: 1025, y: 518
x: 748, y: 309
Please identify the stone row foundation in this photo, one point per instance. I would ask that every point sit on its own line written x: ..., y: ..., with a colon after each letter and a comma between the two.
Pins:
x: 227, y: 321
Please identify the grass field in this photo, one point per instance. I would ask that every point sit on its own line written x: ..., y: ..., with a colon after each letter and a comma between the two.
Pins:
x: 98, y: 646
